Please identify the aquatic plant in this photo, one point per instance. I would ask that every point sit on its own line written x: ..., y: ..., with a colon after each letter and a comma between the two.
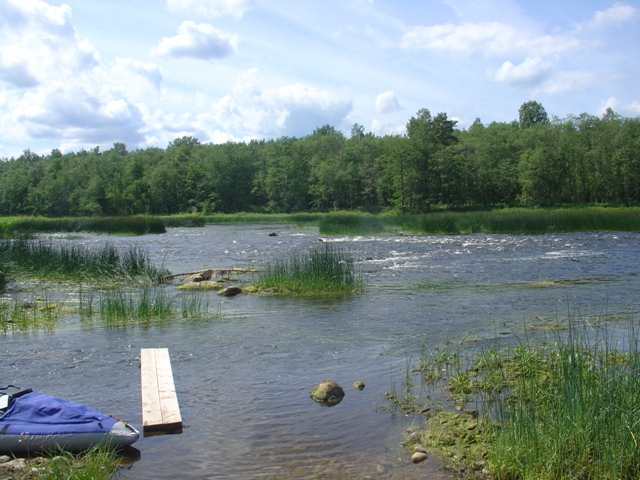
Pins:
x: 353, y: 223
x: 529, y: 221
x: 325, y: 270
x: 182, y: 221
x: 231, y: 218
x: 125, y: 305
x: 566, y: 408
x: 34, y: 257
x: 575, y: 414
x: 17, y: 314
x: 137, y: 225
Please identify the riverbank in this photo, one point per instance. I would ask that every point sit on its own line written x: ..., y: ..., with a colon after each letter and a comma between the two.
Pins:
x: 507, y: 220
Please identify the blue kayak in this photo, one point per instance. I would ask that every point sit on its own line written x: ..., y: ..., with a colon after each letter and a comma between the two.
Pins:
x: 31, y: 422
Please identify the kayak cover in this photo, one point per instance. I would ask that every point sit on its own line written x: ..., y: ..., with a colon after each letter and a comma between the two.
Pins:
x: 35, y: 421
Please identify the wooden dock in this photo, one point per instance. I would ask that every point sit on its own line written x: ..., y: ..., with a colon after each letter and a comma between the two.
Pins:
x: 160, y: 410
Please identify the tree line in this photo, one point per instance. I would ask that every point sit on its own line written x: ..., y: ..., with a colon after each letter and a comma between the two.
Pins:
x: 532, y: 161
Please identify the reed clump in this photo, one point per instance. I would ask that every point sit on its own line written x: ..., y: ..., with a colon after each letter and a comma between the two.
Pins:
x: 568, y: 408
x: 143, y: 305
x: 243, y: 217
x: 353, y: 223
x: 123, y: 306
x: 526, y: 221
x: 44, y: 259
x: 11, y: 226
x: 326, y: 270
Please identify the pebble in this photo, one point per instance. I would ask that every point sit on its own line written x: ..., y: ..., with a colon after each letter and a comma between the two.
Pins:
x: 418, y: 457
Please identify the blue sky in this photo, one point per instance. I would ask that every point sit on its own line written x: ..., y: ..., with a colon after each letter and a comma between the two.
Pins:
x: 83, y: 73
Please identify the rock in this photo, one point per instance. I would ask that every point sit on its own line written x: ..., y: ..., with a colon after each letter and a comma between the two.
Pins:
x: 273, y: 234
x: 230, y: 291
x: 418, y: 457
x: 327, y: 393
x: 205, y: 285
x: 359, y: 384
x: 201, y: 276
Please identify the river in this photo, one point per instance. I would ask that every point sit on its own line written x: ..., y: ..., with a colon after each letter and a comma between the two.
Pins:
x: 243, y: 376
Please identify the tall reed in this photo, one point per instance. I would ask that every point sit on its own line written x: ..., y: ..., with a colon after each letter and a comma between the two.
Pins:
x: 72, y: 261
x: 576, y: 416
x: 567, y: 407
x: 138, y: 225
x: 353, y: 223
x: 326, y: 270
x: 123, y: 305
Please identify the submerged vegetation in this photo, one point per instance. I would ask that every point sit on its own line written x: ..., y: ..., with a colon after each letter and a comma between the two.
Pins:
x: 568, y: 408
x: 326, y: 270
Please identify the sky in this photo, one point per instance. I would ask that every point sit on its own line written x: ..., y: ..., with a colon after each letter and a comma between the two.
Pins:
x: 77, y: 74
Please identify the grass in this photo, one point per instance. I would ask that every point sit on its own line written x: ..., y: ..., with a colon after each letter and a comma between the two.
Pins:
x: 526, y: 221
x: 42, y: 259
x: 507, y: 220
x: 569, y: 408
x: 352, y: 223
x: 11, y: 226
x: 99, y: 463
x: 322, y: 271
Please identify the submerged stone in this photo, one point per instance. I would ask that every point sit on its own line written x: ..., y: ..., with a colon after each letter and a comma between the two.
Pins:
x: 327, y: 393
x: 231, y: 291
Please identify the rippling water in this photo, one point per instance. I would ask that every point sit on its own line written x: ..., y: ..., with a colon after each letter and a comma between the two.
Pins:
x: 243, y: 379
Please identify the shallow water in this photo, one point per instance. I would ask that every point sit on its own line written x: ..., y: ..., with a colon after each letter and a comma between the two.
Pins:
x: 243, y: 379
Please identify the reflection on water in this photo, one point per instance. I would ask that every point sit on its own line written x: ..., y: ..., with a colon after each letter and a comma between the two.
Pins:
x: 243, y: 380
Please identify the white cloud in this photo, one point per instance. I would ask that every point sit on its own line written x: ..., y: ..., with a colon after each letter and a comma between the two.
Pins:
x: 136, y: 79
x: 631, y: 109
x: 75, y: 113
x: 291, y: 110
x: 38, y: 41
x: 197, y: 40
x: 388, y: 127
x: 387, y: 102
x: 489, y: 38
x: 617, y: 13
x: 211, y: 8
x: 567, y: 82
x: 530, y: 72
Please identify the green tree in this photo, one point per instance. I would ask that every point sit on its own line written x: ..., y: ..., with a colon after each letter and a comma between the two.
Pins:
x: 532, y: 113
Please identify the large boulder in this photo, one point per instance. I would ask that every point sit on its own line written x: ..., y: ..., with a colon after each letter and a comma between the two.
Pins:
x: 327, y: 393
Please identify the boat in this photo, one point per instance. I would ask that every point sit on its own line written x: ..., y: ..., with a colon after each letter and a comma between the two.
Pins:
x: 32, y: 422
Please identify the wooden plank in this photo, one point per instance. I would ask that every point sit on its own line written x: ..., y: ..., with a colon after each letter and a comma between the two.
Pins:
x: 160, y: 410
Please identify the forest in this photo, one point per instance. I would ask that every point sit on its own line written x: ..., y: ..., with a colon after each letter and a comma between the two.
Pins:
x: 532, y: 161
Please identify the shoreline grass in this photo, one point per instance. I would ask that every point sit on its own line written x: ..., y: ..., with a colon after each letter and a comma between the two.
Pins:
x: 322, y: 271
x: 567, y: 408
x: 439, y: 221
x: 136, y: 225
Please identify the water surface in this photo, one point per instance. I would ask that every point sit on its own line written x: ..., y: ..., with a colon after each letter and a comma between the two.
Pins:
x: 243, y: 378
